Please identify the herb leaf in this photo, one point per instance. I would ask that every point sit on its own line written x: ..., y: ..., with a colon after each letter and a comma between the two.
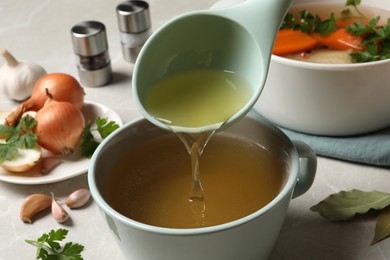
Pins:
x: 21, y: 136
x: 88, y: 144
x: 49, y: 248
x: 346, y: 204
x: 353, y: 2
x: 6, y: 130
x: 327, y: 26
x: 376, y: 40
x: 308, y: 23
x: 104, y: 128
x: 382, y: 227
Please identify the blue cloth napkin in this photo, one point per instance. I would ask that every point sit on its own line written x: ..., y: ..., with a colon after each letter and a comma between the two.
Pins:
x: 371, y: 149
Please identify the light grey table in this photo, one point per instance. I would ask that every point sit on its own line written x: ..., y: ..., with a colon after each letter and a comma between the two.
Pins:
x: 39, y: 30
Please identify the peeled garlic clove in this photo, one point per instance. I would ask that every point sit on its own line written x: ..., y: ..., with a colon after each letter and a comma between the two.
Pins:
x: 78, y: 198
x: 58, y: 212
x: 32, y: 205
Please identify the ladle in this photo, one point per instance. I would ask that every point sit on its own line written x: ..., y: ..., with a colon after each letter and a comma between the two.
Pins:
x: 238, y: 39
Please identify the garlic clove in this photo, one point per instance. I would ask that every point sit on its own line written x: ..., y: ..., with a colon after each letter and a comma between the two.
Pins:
x: 24, y: 160
x: 58, y: 212
x: 78, y: 198
x: 49, y: 163
x: 17, y: 79
x: 32, y: 205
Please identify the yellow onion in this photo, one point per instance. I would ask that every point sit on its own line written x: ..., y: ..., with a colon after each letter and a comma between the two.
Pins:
x: 62, y: 87
x: 59, y: 126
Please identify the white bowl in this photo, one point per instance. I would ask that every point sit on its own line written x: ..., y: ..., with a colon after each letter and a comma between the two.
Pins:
x: 328, y: 99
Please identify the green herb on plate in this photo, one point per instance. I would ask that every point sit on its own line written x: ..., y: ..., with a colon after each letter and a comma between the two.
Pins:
x: 104, y: 128
x: 22, y: 136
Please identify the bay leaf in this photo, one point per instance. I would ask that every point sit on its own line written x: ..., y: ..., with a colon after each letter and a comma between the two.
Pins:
x: 382, y: 226
x: 345, y: 205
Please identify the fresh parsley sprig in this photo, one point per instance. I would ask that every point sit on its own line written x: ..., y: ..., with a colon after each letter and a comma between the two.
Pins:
x: 49, y: 248
x: 309, y: 23
x: 376, y: 40
x: 354, y: 4
x: 104, y: 128
x: 21, y: 136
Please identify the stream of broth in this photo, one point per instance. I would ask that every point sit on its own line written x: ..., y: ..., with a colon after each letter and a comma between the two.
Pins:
x: 193, y: 99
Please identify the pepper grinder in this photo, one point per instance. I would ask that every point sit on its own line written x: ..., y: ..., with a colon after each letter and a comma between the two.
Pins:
x: 134, y: 26
x: 91, y: 48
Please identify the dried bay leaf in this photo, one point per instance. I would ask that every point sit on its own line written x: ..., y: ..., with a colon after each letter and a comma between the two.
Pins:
x: 382, y: 227
x: 345, y: 205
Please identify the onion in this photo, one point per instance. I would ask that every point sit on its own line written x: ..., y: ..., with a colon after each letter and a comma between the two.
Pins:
x: 59, y: 126
x: 62, y: 87
x: 24, y: 160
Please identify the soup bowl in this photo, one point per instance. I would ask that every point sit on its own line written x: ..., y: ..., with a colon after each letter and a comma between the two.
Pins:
x: 326, y: 99
x: 250, y: 237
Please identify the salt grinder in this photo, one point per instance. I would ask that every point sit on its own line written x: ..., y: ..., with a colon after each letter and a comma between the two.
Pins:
x: 91, y: 48
x: 134, y: 27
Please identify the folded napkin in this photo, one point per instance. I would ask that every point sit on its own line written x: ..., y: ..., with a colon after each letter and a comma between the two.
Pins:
x: 372, y: 148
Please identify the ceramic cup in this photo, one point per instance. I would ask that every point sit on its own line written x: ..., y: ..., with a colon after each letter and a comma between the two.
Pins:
x: 251, y: 237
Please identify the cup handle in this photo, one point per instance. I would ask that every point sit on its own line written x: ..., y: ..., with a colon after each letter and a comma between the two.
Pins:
x: 307, y: 168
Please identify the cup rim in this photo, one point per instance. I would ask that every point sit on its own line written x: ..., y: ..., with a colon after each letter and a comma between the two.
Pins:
x: 286, y: 191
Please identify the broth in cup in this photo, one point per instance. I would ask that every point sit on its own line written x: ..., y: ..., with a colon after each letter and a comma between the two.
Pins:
x: 151, y: 182
x: 249, y: 233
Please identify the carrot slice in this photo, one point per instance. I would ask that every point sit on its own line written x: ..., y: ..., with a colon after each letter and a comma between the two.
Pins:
x: 340, y: 40
x: 291, y: 41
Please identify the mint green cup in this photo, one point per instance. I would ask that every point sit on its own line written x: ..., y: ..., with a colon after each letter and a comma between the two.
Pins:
x: 251, y: 237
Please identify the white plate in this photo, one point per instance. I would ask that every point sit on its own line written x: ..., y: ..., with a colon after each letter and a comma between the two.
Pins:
x: 70, y: 166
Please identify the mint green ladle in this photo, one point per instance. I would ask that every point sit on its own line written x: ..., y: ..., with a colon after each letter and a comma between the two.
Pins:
x: 238, y: 39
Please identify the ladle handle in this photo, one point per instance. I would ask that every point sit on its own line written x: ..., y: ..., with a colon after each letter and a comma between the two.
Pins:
x: 262, y: 18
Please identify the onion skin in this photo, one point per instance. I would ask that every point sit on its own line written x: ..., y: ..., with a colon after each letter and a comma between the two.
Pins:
x: 61, y: 86
x: 59, y: 126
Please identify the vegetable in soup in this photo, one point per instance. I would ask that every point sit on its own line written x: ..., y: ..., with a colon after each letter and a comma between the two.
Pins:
x: 334, y: 34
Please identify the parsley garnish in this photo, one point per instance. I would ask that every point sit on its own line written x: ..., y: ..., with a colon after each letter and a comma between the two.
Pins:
x: 308, y: 23
x: 104, y: 128
x: 376, y: 40
x: 354, y: 3
x: 48, y: 247
x: 22, y: 136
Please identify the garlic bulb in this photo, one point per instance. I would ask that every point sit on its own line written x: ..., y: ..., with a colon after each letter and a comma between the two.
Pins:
x: 17, y: 79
